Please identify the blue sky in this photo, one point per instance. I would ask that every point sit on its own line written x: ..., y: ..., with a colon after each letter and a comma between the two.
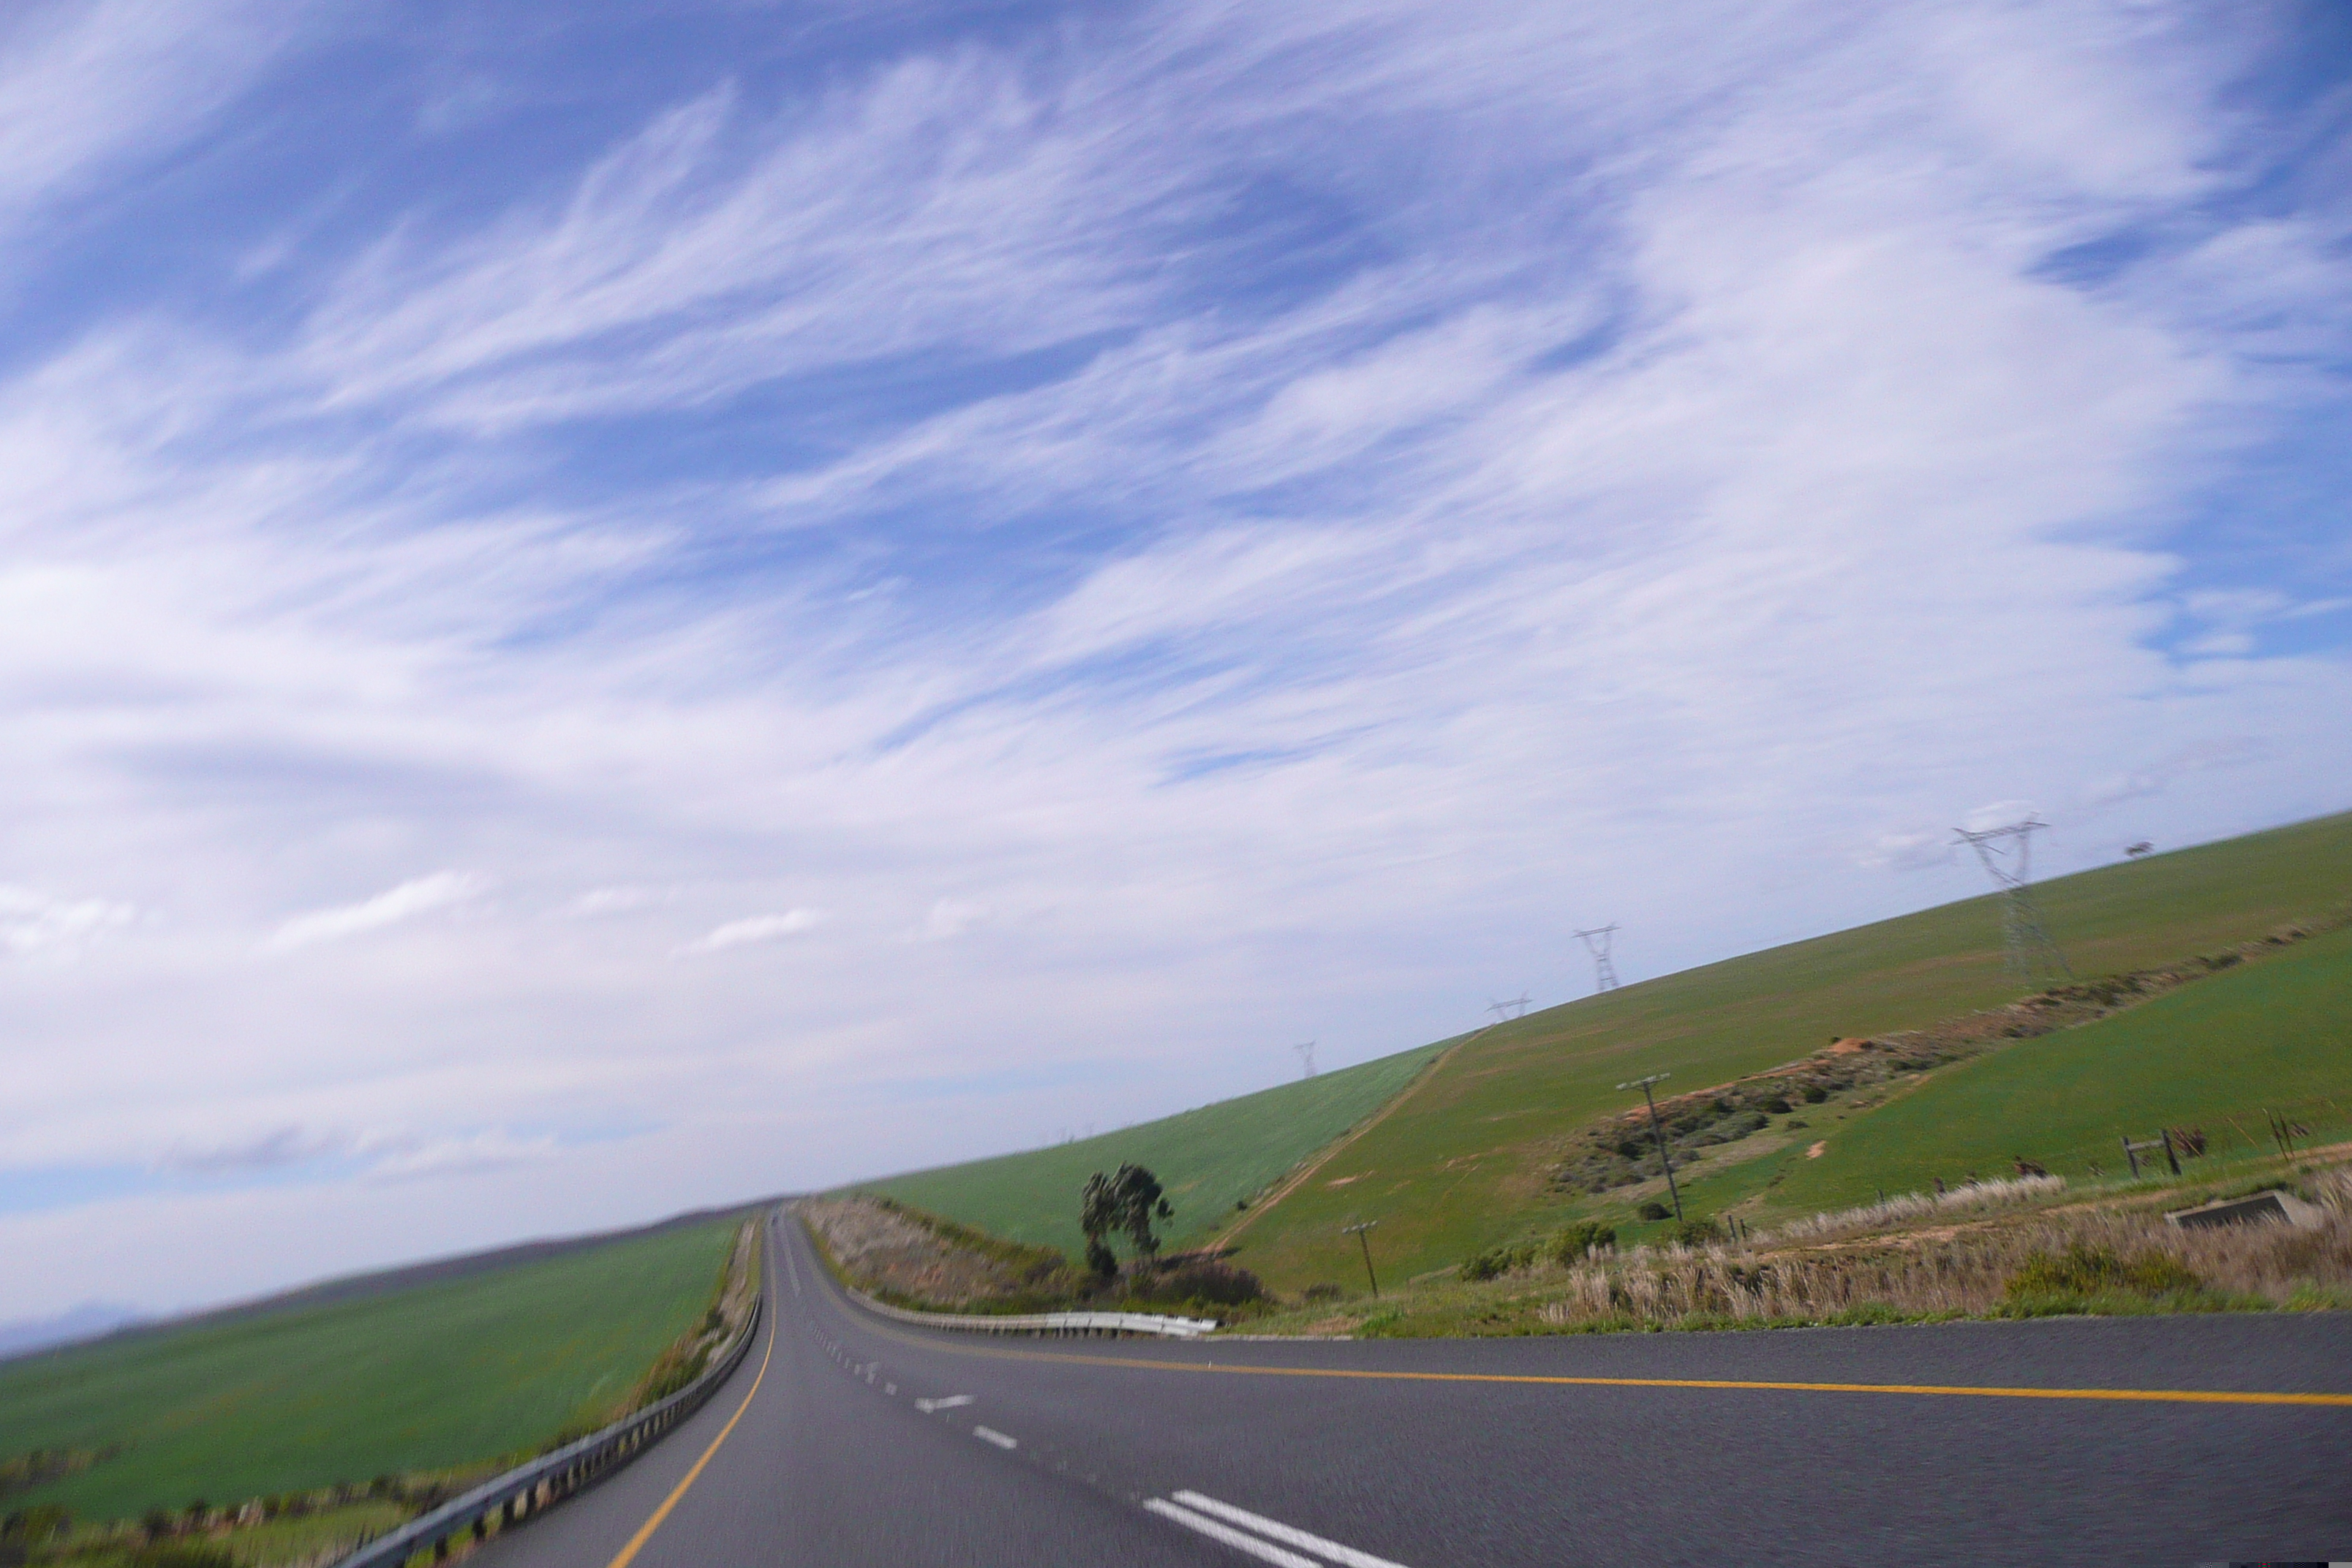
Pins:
x: 612, y: 608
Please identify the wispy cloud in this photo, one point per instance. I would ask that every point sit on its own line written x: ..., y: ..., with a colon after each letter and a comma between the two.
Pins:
x: 275, y: 1150
x: 755, y: 929
x: 35, y: 925
x: 421, y: 896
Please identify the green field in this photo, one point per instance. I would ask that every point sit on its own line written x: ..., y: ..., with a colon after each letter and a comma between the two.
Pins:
x: 1463, y: 1164
x: 1206, y: 1159
x: 422, y: 1378
x: 2277, y: 1033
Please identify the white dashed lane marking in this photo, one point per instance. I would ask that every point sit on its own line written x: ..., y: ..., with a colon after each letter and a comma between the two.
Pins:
x: 952, y: 1402
x: 1232, y: 1527
x: 991, y: 1434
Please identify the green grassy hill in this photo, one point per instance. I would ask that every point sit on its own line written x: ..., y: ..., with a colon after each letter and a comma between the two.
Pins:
x: 1464, y: 1163
x: 420, y: 1377
x: 2276, y: 1034
x: 1207, y: 1159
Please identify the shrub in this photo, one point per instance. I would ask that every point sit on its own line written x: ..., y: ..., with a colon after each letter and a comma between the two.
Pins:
x: 1205, y: 1279
x: 1696, y: 1232
x: 1654, y: 1210
x: 1496, y: 1261
x: 1815, y: 1094
x: 2085, y: 1270
x: 1572, y: 1245
x: 1777, y: 1105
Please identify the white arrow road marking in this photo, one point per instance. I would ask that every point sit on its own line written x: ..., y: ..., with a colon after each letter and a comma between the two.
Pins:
x: 1290, y: 1535
x: 951, y: 1402
x: 991, y: 1434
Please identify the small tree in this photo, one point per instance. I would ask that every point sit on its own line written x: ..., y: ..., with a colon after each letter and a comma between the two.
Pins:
x: 1127, y: 1199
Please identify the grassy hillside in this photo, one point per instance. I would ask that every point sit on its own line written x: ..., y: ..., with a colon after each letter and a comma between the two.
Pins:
x: 1463, y: 1163
x: 421, y: 1377
x: 1207, y: 1159
x: 2274, y: 1034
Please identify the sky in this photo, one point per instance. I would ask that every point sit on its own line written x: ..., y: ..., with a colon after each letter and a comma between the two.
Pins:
x: 612, y: 607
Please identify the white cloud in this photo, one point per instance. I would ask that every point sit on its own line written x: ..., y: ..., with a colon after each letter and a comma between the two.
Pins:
x: 1909, y: 851
x: 419, y: 896
x: 271, y: 1151
x: 758, y: 928
x: 491, y: 1149
x: 35, y: 925
x: 601, y: 901
x: 951, y: 918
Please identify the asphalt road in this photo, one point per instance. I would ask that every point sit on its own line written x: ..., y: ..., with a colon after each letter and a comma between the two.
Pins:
x: 845, y: 1440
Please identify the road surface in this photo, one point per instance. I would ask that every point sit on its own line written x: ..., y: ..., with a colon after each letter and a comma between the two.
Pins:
x: 847, y: 1440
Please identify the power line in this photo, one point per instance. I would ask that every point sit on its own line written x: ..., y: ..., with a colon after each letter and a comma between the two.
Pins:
x: 2007, y: 854
x: 1597, y: 942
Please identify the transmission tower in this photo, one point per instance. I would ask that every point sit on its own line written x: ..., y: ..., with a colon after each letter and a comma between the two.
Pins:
x: 1596, y: 942
x: 1305, y: 1049
x: 1515, y: 1007
x: 2007, y: 854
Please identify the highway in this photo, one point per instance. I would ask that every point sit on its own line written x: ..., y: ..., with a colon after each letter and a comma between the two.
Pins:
x: 844, y: 1439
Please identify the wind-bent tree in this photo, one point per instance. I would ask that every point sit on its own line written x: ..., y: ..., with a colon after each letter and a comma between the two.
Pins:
x: 1129, y: 1199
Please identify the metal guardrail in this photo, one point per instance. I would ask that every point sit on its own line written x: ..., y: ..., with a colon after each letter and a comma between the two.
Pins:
x: 553, y: 1477
x: 1048, y: 1322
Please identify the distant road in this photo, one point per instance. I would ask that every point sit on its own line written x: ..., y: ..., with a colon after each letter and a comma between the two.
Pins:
x: 848, y: 1440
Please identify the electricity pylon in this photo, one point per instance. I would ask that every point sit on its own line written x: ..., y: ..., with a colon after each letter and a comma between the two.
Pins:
x: 1597, y: 942
x: 2007, y: 854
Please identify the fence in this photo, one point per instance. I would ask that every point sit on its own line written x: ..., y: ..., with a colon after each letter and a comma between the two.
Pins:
x: 1056, y: 1323
x: 526, y: 1490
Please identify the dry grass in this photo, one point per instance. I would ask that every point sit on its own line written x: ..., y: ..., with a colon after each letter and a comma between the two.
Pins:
x: 1904, y: 1206
x: 1990, y: 1268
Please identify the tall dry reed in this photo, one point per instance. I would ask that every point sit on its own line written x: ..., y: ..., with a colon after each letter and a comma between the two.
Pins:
x: 1967, y: 1269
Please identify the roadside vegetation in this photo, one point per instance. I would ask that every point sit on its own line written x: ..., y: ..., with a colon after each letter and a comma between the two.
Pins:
x: 2031, y: 1247
x: 904, y: 1257
x: 271, y: 1438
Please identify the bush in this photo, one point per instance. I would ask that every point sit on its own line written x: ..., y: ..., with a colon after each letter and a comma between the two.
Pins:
x: 2083, y: 1271
x: 1204, y: 1279
x: 1571, y: 1245
x: 1653, y: 1210
x: 1777, y: 1105
x: 1496, y: 1261
x: 1815, y: 1094
x: 1696, y: 1232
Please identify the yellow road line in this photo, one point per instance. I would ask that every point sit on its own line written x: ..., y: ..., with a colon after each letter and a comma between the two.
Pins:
x: 2132, y: 1395
x: 645, y: 1531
